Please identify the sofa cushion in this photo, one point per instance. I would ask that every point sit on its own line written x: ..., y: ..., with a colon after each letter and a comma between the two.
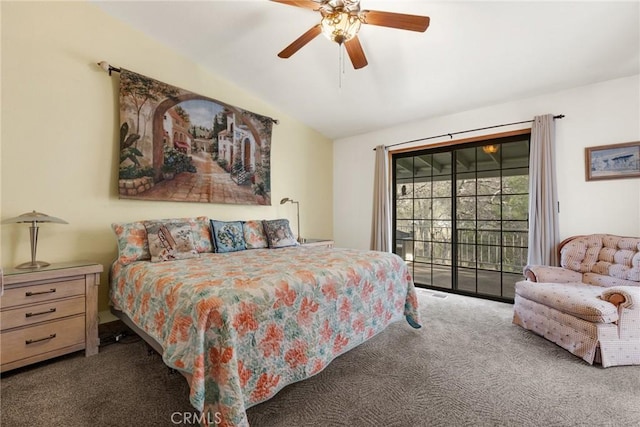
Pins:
x: 577, y: 299
x: 605, y: 254
x: 606, y: 281
x: 581, y: 253
x: 619, y: 257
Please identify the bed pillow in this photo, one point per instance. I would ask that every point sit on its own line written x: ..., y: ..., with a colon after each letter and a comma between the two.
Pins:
x: 227, y: 236
x: 199, y: 229
x: 254, y: 236
x: 132, y: 241
x: 170, y: 241
x: 133, y: 244
x: 201, y: 234
x: 279, y: 233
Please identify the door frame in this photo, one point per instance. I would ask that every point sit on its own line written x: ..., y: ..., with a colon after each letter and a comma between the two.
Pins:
x: 453, y: 143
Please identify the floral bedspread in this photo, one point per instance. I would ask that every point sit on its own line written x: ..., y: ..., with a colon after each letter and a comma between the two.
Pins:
x: 246, y: 324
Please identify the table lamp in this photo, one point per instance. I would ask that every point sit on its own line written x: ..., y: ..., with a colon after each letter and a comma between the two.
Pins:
x: 34, y: 218
x: 285, y: 200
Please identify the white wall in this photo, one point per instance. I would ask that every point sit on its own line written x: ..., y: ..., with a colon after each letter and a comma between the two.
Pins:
x: 598, y: 114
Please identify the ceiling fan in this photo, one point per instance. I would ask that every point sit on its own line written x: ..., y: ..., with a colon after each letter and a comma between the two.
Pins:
x: 341, y: 20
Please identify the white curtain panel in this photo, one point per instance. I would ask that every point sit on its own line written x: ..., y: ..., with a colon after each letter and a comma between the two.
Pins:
x: 381, y: 225
x: 543, y: 193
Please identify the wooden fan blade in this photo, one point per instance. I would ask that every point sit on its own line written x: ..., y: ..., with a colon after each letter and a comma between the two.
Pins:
x: 396, y: 20
x: 356, y: 54
x: 300, y: 42
x: 307, y: 4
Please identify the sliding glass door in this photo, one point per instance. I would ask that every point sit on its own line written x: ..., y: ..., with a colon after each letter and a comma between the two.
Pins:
x: 460, y: 215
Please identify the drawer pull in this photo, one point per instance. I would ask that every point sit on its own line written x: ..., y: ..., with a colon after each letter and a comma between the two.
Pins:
x: 30, y: 294
x: 51, y: 310
x: 40, y: 339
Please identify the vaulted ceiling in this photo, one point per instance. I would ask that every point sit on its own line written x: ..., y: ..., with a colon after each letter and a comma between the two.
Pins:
x: 473, y: 54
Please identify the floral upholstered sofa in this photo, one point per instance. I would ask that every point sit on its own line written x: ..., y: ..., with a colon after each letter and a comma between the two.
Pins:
x: 590, y: 305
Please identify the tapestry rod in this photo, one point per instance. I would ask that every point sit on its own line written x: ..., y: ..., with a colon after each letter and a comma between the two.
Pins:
x: 108, y: 68
x: 450, y: 135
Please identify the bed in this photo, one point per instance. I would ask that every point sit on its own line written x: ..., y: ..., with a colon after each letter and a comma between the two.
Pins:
x: 242, y: 325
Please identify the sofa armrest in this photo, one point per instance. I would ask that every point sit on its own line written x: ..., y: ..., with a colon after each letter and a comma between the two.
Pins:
x: 627, y: 299
x: 545, y: 273
x: 623, y: 296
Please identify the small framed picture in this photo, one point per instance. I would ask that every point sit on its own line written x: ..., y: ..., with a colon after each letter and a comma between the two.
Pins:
x: 612, y: 161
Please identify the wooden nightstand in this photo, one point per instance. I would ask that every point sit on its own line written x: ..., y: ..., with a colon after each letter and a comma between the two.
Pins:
x: 317, y: 242
x: 48, y: 312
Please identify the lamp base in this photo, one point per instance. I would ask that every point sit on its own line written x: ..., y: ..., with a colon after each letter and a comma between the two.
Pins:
x: 32, y: 265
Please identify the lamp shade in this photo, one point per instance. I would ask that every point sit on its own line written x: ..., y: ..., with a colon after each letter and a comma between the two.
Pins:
x: 340, y: 26
x: 34, y: 216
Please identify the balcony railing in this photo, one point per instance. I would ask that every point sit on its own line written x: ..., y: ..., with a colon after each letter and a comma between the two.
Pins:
x: 487, y: 249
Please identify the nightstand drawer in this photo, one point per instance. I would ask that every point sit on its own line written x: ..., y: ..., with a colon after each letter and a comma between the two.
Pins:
x: 42, y: 292
x: 28, y: 315
x: 42, y: 338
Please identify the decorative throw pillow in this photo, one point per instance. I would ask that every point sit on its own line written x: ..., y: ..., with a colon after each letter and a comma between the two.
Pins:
x: 227, y: 236
x: 170, y: 241
x: 134, y: 246
x: 199, y: 229
x: 201, y: 234
x: 279, y: 233
x: 132, y: 242
x: 254, y: 236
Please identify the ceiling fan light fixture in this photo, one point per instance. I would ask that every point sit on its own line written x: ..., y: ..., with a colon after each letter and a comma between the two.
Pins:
x: 490, y: 149
x: 341, y: 22
x: 340, y: 26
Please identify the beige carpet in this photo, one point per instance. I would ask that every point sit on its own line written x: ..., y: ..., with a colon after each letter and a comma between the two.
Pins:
x: 468, y: 366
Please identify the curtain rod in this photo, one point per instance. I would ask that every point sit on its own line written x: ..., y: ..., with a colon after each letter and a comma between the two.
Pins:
x: 109, y: 69
x: 450, y: 135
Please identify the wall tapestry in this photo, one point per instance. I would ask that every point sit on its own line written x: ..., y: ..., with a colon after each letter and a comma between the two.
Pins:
x: 180, y: 146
